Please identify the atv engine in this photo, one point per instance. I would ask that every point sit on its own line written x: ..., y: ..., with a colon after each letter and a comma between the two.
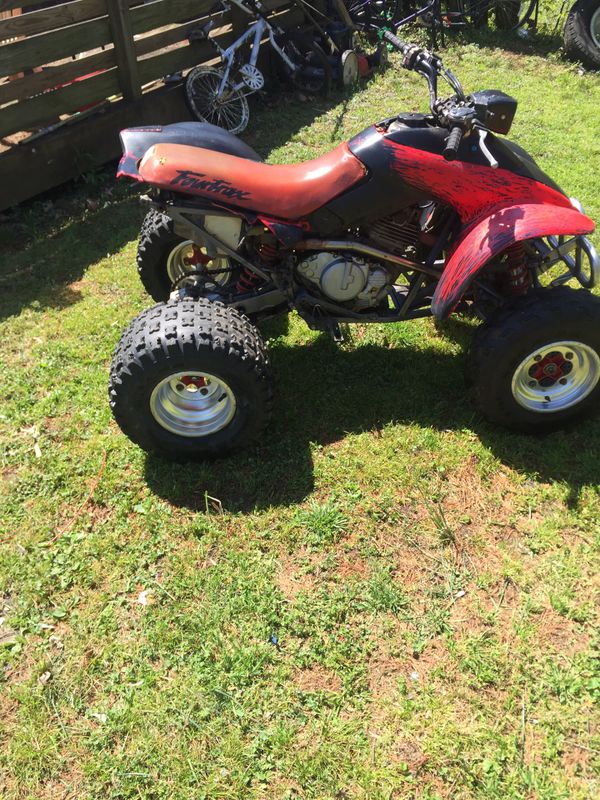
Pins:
x: 345, y: 278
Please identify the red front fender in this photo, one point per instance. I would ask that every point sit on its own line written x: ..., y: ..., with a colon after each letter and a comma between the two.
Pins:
x: 489, y: 237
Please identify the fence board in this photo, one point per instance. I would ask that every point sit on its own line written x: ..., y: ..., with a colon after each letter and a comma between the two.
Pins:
x: 48, y: 47
x: 29, y: 169
x: 53, y: 76
x: 174, y: 60
x: 166, y: 12
x: 164, y: 38
x: 120, y: 25
x: 39, y: 110
x: 51, y: 18
x: 6, y: 5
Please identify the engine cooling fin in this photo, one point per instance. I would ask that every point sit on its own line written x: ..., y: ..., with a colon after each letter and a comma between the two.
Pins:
x: 397, y: 233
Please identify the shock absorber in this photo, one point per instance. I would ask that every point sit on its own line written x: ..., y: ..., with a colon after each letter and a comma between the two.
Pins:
x: 519, y: 278
x: 269, y: 252
x: 248, y: 280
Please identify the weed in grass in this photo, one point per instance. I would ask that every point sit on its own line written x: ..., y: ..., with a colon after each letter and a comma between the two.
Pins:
x: 323, y: 523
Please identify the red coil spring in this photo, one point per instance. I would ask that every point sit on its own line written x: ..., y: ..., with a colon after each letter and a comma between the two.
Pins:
x: 519, y: 278
x: 269, y: 252
x: 248, y: 280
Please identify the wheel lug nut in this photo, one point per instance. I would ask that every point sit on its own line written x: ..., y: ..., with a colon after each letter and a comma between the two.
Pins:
x: 563, y: 381
x: 532, y: 384
x: 180, y: 387
x: 569, y: 356
x: 203, y: 391
x: 537, y: 358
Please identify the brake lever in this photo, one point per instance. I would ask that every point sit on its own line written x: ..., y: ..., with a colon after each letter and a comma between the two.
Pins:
x: 482, y: 132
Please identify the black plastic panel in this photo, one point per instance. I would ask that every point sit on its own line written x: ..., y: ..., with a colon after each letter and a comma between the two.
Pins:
x: 136, y: 141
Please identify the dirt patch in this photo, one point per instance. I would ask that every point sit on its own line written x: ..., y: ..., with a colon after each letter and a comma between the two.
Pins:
x: 9, y: 474
x: 291, y: 582
x: 578, y: 760
x: 384, y: 674
x: 350, y: 565
x: 69, y: 786
x: 468, y: 495
x: 561, y: 634
x: 408, y: 752
x: 281, y: 787
x: 385, y: 670
x: 317, y: 679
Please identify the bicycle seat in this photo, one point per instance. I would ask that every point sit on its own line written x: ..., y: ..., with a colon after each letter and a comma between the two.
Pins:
x: 136, y: 141
x: 288, y: 191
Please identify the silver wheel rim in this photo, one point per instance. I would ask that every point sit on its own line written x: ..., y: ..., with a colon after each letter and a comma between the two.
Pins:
x: 595, y: 27
x: 192, y: 404
x: 178, y: 265
x: 556, y: 376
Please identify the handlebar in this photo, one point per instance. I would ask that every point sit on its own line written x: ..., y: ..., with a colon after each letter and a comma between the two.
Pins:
x: 453, y: 143
x: 449, y: 113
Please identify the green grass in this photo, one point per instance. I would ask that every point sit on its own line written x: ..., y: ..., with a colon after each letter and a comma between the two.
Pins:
x: 388, y: 598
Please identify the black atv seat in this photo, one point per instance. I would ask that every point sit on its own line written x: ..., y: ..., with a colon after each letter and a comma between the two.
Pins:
x: 136, y: 141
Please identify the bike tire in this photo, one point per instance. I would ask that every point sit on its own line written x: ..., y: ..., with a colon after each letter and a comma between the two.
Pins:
x: 201, y: 88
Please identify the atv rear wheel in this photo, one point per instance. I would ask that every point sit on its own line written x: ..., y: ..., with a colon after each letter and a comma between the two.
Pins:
x: 164, y: 258
x: 190, y: 379
x: 535, y: 364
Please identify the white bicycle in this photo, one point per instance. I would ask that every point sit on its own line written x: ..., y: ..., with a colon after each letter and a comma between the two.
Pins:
x: 219, y: 95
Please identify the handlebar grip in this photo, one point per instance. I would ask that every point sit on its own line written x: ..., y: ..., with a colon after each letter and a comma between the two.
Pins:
x: 453, y: 143
x: 393, y: 39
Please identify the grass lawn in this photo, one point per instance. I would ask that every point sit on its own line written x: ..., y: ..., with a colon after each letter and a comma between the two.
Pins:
x: 388, y: 598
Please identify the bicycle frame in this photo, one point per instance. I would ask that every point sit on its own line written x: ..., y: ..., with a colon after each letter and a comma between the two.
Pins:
x: 254, y: 32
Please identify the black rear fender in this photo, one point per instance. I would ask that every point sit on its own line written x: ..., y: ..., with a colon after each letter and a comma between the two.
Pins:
x: 136, y: 141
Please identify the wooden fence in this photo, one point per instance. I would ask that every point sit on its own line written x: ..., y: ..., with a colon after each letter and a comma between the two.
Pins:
x: 74, y: 74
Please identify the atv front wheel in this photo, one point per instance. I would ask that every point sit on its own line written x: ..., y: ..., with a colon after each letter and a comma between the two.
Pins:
x: 535, y: 364
x: 166, y: 261
x: 190, y: 379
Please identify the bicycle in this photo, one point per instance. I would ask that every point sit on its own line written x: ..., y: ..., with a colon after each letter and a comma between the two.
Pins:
x: 214, y: 96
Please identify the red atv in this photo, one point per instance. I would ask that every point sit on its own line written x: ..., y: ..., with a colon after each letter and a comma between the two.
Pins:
x: 417, y: 215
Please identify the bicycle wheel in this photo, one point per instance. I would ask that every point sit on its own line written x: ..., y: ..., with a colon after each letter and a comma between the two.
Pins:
x: 229, y: 111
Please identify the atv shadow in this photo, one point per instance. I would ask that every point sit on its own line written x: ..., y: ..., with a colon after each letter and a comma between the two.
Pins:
x: 44, y: 274
x: 324, y: 393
